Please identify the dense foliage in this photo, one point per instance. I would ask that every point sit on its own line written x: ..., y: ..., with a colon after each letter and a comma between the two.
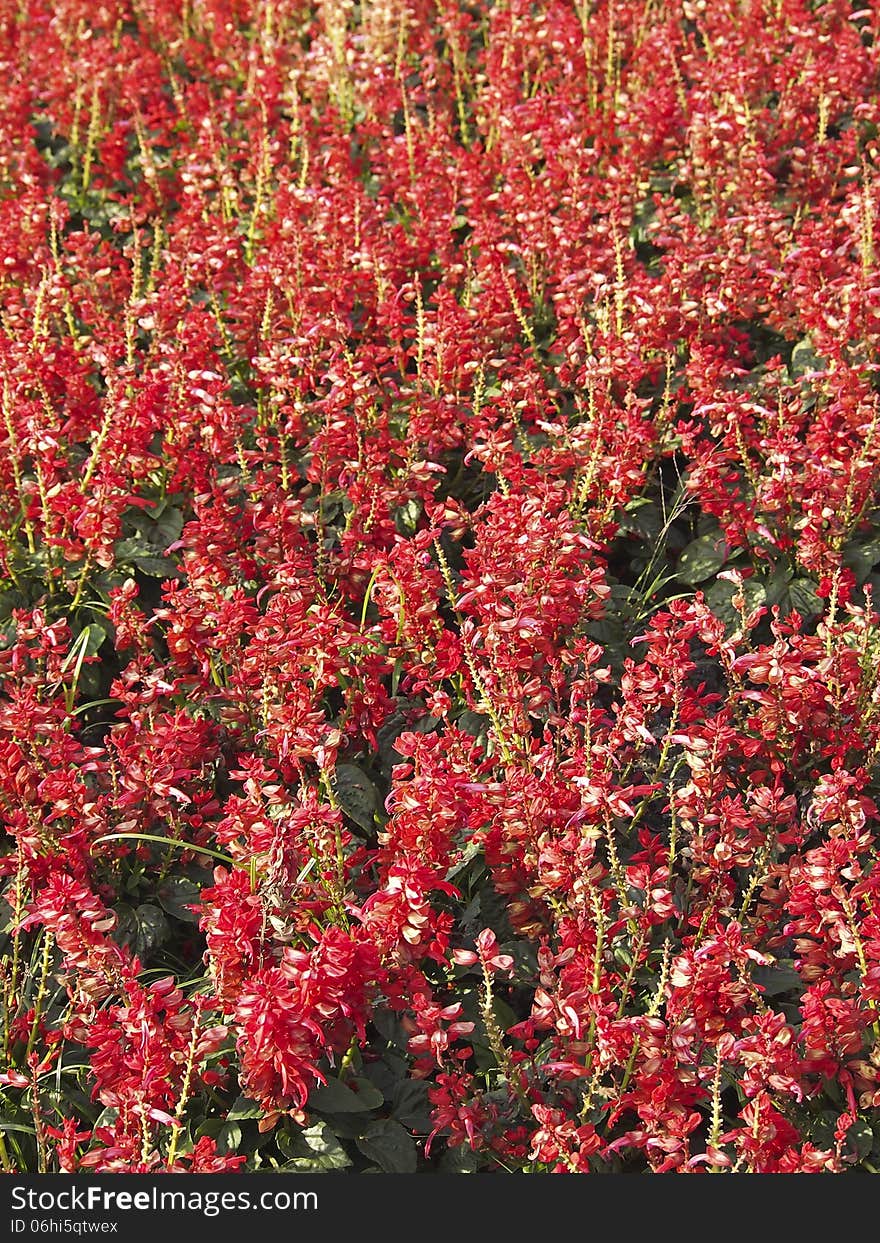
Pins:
x: 439, y: 507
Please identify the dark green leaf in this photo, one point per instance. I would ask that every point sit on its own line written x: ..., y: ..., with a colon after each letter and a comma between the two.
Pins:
x: 405, y: 718
x: 243, y: 1108
x: 461, y: 1160
x: 326, y: 1164
x: 776, y: 585
x: 10, y: 600
x: 642, y: 517
x: 861, y: 1136
x: 702, y: 558
x: 7, y: 916
x: 391, y: 1147
x: 406, y: 518
x: 166, y: 527
x: 779, y: 978
x: 505, y: 1017
x: 471, y: 851
x: 473, y: 723
x: 153, y: 929
x: 410, y: 1105
x: 143, y: 556
x: 720, y: 595
x: 389, y: 1025
x: 356, y: 794
x: 804, y: 358
x: 155, y: 567
x: 314, y: 1150
x: 125, y: 930
x: 91, y: 637
x: 803, y: 597
x: 176, y: 895
x: 229, y: 1138
x: 861, y: 555
x: 336, y: 1097
x: 142, y: 930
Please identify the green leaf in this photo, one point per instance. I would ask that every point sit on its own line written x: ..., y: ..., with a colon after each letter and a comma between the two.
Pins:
x: 610, y: 633
x: 861, y: 1136
x: 391, y: 1146
x: 166, y: 527
x: 776, y: 585
x: 321, y: 1140
x: 406, y: 518
x: 125, y: 930
x: 229, y: 1138
x: 211, y: 1127
x: 804, y: 358
x: 144, y: 556
x: 389, y: 1026
x: 525, y: 958
x: 474, y: 723
x: 778, y: 978
x: 367, y: 1092
x: 127, y: 550
x: 505, y: 1016
x: 244, y: 1108
x: 142, y: 929
x: 642, y: 517
x: 10, y: 600
x: 861, y: 555
x: 154, y: 567
x: 152, y: 930
x: 324, y: 1164
x: 410, y: 1105
x: 802, y: 596
x: 336, y: 1097
x: 720, y: 595
x: 471, y: 851
x: 702, y: 558
x: 91, y: 637
x: 356, y: 794
x: 176, y: 895
x: 314, y: 1150
x: 460, y: 1160
x: 403, y: 719
x: 625, y: 599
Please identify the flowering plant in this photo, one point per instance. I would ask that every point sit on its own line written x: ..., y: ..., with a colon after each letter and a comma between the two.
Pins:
x: 439, y: 531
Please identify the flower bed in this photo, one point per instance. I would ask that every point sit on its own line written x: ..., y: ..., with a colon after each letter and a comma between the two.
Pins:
x: 439, y: 511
